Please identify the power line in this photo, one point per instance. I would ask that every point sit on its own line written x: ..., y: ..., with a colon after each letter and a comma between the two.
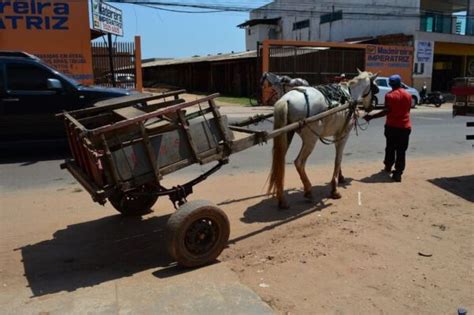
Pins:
x: 178, y: 11
x: 221, y: 7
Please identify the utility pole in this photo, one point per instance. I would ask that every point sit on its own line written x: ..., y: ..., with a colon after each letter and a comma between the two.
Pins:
x: 330, y: 24
x: 111, y: 59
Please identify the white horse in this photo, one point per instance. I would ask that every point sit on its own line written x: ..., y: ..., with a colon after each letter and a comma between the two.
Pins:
x: 303, y: 102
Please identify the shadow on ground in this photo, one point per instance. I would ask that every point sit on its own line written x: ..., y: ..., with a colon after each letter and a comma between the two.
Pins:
x: 380, y: 177
x: 110, y: 248
x: 267, y: 209
x: 89, y: 253
x: 29, y: 154
x: 462, y: 186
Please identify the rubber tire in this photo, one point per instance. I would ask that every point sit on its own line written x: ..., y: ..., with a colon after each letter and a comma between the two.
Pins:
x: 133, y: 207
x: 181, y: 220
x: 414, y: 101
x: 438, y: 104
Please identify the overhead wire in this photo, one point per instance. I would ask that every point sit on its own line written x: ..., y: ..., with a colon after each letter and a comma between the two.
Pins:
x: 301, y: 9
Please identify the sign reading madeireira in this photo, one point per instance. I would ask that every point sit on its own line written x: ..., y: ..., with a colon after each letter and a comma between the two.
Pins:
x: 106, y: 18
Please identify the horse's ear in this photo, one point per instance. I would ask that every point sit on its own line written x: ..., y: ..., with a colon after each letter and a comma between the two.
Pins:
x: 358, y: 70
x: 374, y: 76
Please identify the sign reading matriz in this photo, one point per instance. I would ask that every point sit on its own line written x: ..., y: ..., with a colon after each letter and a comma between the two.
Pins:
x: 34, y: 15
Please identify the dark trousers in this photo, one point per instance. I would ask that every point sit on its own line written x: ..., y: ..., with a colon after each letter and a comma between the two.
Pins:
x: 397, y: 145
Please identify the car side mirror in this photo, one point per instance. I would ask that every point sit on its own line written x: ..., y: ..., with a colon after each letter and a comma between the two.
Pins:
x: 54, y: 84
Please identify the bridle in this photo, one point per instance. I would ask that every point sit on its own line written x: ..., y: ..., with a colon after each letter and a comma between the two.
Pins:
x: 372, y: 88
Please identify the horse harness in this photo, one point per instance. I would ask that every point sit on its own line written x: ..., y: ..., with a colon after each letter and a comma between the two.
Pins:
x: 372, y: 88
x: 332, y: 92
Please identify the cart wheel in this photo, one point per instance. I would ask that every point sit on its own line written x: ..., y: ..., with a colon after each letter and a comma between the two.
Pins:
x: 130, y: 204
x: 197, y: 233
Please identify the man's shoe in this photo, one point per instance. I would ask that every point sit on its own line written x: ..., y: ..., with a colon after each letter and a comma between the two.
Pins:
x: 397, y: 177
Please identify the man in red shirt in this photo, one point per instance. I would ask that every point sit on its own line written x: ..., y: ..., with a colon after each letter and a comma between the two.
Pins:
x: 397, y: 126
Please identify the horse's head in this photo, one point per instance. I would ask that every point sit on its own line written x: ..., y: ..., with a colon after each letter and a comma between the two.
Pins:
x: 272, y: 78
x: 363, y: 88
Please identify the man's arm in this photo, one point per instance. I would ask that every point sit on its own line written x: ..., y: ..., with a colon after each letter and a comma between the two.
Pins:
x: 381, y: 113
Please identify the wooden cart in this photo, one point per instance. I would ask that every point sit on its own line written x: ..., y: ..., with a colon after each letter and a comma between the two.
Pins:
x: 121, y: 149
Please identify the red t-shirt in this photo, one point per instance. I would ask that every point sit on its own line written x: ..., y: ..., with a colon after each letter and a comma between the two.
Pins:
x: 398, y: 103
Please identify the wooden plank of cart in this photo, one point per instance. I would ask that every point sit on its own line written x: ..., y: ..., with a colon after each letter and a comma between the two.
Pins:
x: 121, y: 149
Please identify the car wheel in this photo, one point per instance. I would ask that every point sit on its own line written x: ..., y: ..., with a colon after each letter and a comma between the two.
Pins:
x: 414, y: 101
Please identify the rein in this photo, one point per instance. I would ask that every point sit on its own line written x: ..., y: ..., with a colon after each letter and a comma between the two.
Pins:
x: 372, y: 88
x: 350, y: 115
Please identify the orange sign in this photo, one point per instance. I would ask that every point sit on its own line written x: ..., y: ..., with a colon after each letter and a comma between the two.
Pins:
x: 57, y: 31
x: 388, y: 60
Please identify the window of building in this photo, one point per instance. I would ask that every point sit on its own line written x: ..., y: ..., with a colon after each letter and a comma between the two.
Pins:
x: 436, y: 23
x: 25, y: 77
x: 300, y: 25
x: 331, y: 17
x: 249, y: 31
x: 272, y: 34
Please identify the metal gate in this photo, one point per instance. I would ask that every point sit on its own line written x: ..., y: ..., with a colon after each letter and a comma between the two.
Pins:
x: 316, y: 62
x: 123, y: 61
x: 317, y: 65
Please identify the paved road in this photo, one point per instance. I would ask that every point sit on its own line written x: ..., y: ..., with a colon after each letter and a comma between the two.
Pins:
x: 435, y: 133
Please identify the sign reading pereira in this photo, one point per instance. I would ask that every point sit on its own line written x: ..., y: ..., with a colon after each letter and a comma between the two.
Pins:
x: 388, y: 60
x: 57, y: 31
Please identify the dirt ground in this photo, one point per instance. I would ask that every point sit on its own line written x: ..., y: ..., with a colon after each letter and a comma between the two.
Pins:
x: 406, y: 248
x: 385, y: 247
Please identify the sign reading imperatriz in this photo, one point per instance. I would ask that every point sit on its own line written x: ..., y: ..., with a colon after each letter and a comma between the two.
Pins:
x: 106, y: 18
x: 388, y: 60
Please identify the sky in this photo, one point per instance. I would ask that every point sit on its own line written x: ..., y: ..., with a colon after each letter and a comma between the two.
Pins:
x: 170, y: 35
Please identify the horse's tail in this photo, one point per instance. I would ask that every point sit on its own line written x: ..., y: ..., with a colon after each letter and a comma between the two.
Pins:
x: 280, y: 146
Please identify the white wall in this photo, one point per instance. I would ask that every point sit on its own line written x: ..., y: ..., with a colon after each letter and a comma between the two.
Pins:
x: 351, y: 26
x: 258, y: 33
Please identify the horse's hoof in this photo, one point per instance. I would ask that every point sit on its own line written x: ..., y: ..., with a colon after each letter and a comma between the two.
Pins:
x: 336, y: 195
x: 283, y: 205
x: 308, y: 195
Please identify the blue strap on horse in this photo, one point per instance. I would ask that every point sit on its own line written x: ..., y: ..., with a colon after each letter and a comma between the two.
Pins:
x: 306, y: 98
x: 330, y: 92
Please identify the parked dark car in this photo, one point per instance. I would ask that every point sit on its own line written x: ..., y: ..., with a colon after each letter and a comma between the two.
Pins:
x: 31, y: 93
